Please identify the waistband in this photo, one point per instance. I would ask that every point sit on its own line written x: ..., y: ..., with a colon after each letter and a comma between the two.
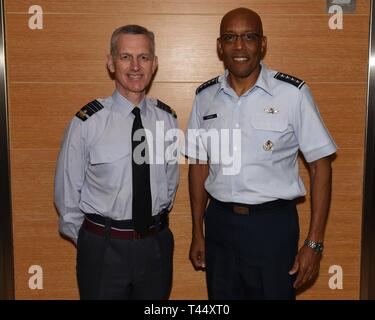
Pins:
x: 246, y: 209
x: 105, y: 231
x: 161, y: 217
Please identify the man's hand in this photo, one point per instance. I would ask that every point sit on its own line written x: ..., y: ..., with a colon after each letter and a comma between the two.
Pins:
x: 307, y: 264
x: 197, y: 252
x: 198, y: 174
x: 307, y: 260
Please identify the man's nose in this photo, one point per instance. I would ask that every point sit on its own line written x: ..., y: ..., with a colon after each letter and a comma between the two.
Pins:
x: 135, y: 64
x: 238, y: 43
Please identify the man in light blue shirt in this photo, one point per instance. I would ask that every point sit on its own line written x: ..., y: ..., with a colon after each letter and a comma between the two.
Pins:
x: 243, y: 136
x: 115, y: 182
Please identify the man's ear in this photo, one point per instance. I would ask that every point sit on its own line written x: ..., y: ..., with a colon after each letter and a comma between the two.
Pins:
x: 219, y: 49
x: 263, y: 48
x: 155, y: 64
x: 110, y: 63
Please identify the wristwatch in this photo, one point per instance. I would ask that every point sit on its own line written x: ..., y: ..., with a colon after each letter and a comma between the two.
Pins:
x: 316, y: 246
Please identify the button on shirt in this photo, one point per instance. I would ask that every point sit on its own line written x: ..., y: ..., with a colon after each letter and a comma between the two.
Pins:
x: 259, y: 136
x: 94, y: 168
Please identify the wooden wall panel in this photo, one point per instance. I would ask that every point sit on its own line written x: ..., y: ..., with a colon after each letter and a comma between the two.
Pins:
x: 111, y: 7
x: 54, y: 71
x: 36, y: 240
x: 343, y: 234
x: 72, y: 48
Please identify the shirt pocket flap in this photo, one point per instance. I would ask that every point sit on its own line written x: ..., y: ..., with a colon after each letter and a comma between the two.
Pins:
x: 269, y: 122
x: 109, y: 153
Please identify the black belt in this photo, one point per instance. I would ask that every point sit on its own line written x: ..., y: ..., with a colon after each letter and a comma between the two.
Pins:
x: 247, y: 209
x: 160, y: 218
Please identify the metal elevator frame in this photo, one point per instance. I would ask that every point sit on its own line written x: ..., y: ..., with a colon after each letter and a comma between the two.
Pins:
x: 6, y: 233
x: 367, y: 291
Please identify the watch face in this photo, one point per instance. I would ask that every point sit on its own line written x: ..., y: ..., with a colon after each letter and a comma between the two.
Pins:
x: 318, y: 247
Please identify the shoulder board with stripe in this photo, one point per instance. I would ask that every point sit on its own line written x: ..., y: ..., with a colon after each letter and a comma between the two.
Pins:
x: 207, y: 84
x: 290, y: 79
x: 166, y: 108
x: 89, y: 109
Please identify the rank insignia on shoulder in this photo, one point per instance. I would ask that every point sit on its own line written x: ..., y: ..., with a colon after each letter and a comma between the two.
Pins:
x: 89, y: 109
x: 207, y: 84
x: 290, y: 79
x: 165, y: 107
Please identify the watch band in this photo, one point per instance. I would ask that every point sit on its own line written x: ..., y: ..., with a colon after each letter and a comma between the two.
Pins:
x: 316, y: 246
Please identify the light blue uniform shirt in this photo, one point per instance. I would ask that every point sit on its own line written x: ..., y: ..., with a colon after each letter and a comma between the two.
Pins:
x: 94, y: 168
x: 274, y: 119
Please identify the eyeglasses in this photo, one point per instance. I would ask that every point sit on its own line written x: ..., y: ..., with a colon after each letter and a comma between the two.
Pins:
x: 248, y: 37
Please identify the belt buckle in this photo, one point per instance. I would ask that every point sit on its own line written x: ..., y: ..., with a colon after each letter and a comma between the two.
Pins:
x: 240, y: 209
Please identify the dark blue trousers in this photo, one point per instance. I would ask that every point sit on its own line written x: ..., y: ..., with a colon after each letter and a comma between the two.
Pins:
x: 249, y: 256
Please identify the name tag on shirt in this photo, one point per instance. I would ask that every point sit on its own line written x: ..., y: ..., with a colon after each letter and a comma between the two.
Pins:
x: 211, y: 116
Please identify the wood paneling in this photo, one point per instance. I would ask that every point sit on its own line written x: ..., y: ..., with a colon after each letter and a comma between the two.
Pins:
x: 346, y: 187
x: 114, y: 7
x: 342, y: 248
x: 188, y: 283
x: 55, y: 71
x: 73, y: 47
x: 35, y: 228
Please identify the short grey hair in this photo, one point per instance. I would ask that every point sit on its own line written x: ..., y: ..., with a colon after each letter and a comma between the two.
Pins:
x: 131, y: 29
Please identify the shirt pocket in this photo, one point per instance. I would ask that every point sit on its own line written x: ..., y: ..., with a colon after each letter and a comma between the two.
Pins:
x: 268, y: 132
x: 109, y: 153
x: 110, y: 166
x: 268, y: 122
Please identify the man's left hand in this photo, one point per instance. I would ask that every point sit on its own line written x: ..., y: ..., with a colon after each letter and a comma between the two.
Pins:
x: 307, y: 265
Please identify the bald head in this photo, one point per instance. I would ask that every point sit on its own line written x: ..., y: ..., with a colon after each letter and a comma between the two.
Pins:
x: 241, y: 14
x: 242, y: 46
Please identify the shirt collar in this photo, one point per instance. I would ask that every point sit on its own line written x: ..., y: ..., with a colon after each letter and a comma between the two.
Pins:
x: 262, y: 81
x: 124, y: 106
x: 224, y: 85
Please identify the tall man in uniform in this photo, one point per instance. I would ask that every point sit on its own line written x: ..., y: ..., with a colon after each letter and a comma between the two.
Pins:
x: 248, y: 242
x: 112, y: 198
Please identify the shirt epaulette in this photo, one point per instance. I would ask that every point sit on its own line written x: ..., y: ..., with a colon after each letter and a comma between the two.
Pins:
x: 166, y: 108
x: 89, y: 109
x: 290, y: 79
x: 207, y: 84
